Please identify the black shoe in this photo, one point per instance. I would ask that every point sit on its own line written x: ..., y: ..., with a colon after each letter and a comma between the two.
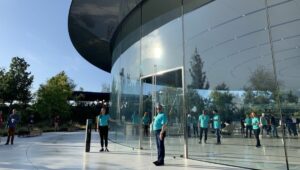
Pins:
x: 158, y: 163
x: 218, y: 143
x: 101, y: 150
x: 258, y: 146
x: 205, y: 141
x: 6, y: 144
x: 200, y: 142
x: 106, y: 150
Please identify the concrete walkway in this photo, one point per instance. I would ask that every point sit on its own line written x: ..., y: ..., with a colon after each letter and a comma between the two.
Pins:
x: 65, y: 150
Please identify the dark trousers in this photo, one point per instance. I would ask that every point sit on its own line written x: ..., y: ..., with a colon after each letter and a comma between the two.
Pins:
x: 256, y: 133
x: 274, y: 131
x: 196, y: 133
x: 201, y: 133
x: 218, y: 134
x: 146, y: 130
x: 103, y: 133
x: 248, y: 130
x: 10, y: 135
x: 264, y: 128
x: 160, y: 147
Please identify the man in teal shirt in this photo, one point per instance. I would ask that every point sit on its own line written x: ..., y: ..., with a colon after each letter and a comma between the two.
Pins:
x: 159, y: 127
x: 217, y: 125
x: 203, y: 124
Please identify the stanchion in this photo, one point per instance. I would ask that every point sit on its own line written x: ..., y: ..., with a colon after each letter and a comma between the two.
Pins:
x: 88, y: 132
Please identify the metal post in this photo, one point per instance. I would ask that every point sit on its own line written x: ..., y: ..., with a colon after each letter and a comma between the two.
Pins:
x: 276, y: 80
x: 88, y: 132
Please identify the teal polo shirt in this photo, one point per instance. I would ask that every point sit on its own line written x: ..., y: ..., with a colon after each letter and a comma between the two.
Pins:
x: 103, y: 120
x: 159, y: 121
x: 248, y: 121
x: 203, y: 119
x: 217, y: 121
x: 146, y: 120
x: 263, y: 120
x: 255, y: 123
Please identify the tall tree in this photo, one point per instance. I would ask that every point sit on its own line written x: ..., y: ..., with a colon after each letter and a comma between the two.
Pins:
x: 52, y: 98
x: 2, y: 85
x: 222, y: 100
x: 18, y: 81
x: 198, y: 75
x: 262, y: 87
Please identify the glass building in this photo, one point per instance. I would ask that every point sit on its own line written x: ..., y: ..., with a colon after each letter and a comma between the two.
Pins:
x: 236, y: 56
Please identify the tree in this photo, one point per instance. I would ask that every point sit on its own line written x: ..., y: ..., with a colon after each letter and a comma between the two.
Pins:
x: 222, y: 86
x: 52, y: 98
x: 2, y: 85
x: 262, y: 88
x: 16, y: 83
x: 222, y: 100
x: 198, y: 75
x: 262, y: 80
x: 291, y: 98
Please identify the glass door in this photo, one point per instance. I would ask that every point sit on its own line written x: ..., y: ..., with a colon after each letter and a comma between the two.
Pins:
x: 165, y: 88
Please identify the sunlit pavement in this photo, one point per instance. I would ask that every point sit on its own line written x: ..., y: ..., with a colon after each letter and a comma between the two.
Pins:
x: 65, y: 150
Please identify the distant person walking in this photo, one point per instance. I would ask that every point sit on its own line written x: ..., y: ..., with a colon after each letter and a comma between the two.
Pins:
x: 256, y: 128
x: 159, y: 127
x: 146, y: 122
x: 1, y: 122
x: 30, y: 122
x: 248, y: 123
x: 274, y: 125
x: 264, y: 123
x: 203, y: 124
x: 56, y: 122
x: 102, y: 127
x: 217, y: 126
x: 11, y: 124
x: 242, y: 126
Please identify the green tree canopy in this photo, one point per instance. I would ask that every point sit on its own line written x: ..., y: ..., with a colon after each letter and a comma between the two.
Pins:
x: 198, y: 75
x: 15, y: 84
x: 222, y: 100
x: 52, y: 97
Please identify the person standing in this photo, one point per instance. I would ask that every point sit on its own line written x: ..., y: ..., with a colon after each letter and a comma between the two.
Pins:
x: 248, y: 123
x: 256, y: 128
x: 146, y: 121
x: 264, y: 124
x: 159, y: 127
x: 189, y: 125
x: 217, y: 126
x: 30, y: 122
x: 203, y: 124
x: 274, y: 126
x: 56, y: 122
x: 1, y: 122
x: 102, y: 127
x: 242, y: 121
x: 11, y: 124
x: 195, y: 126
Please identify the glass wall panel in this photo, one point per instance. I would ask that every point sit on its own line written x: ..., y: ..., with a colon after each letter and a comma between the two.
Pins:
x: 285, y: 34
x: 126, y: 98
x: 228, y: 68
x: 162, y: 47
x: 161, y: 59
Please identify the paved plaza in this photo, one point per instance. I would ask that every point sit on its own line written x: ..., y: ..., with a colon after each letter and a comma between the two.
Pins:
x: 65, y: 150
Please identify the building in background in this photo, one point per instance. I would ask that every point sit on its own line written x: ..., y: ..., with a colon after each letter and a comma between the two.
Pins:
x: 236, y: 56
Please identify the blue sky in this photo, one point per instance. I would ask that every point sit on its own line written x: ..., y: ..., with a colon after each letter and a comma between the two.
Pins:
x: 37, y: 30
